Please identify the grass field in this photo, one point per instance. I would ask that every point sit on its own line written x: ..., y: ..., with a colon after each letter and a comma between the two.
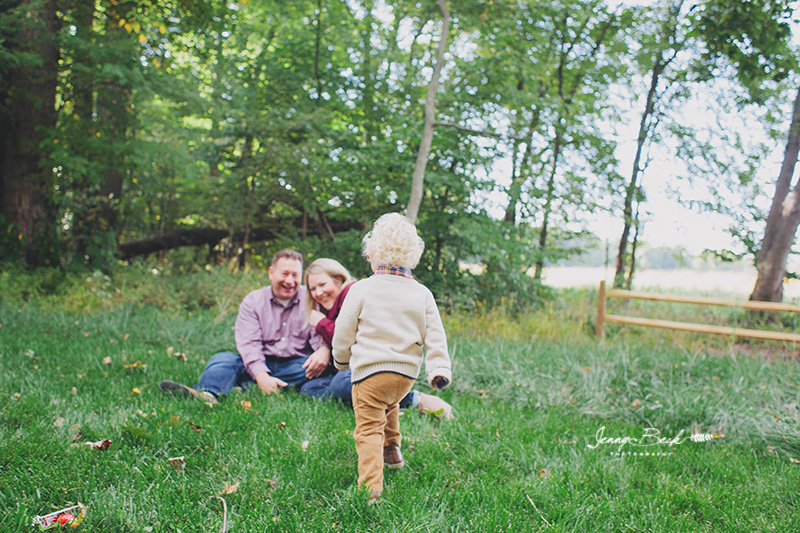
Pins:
x: 541, y: 441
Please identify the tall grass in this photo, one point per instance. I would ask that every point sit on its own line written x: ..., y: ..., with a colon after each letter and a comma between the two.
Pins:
x: 531, y: 393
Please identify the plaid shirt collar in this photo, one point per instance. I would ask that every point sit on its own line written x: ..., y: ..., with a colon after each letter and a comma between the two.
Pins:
x: 394, y: 271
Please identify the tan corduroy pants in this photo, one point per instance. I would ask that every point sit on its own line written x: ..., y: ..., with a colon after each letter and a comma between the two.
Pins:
x: 375, y: 403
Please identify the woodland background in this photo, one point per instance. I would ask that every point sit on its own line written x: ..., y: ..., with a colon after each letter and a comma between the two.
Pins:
x: 201, y: 132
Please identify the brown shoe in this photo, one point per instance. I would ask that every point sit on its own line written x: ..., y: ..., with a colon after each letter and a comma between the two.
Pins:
x: 183, y: 390
x: 393, y: 457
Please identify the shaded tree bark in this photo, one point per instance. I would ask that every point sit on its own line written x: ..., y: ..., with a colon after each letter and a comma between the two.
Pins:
x: 782, y: 221
x: 211, y: 237
x: 27, y: 111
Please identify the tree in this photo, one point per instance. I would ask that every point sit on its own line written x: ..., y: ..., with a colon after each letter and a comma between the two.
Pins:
x: 782, y: 221
x: 660, y: 49
x: 430, y: 117
x: 754, y: 36
x: 27, y: 113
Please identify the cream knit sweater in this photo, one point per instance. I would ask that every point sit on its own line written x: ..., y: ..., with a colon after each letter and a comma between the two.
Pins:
x: 385, y: 322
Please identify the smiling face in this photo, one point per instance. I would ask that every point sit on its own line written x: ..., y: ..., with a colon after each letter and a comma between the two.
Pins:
x: 324, y: 289
x: 285, y: 276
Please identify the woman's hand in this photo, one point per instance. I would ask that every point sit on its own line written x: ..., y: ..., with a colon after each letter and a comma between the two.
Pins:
x: 315, y: 317
x: 317, y: 362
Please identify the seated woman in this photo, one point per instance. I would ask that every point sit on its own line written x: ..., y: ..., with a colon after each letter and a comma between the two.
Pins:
x: 328, y: 283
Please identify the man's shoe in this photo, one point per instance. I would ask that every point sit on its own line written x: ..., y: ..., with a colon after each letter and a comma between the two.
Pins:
x: 393, y: 457
x: 178, y: 389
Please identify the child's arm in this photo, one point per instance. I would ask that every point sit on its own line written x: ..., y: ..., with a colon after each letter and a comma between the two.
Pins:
x: 437, y: 359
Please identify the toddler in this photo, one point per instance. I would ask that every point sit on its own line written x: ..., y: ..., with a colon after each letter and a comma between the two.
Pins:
x: 382, y: 328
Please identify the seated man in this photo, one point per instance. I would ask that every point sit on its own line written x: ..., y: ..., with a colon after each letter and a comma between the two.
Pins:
x: 276, y: 346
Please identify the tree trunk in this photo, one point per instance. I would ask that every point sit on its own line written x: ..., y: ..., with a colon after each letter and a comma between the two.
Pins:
x: 548, y: 207
x: 633, y: 183
x: 415, y: 199
x: 782, y: 221
x: 28, y: 110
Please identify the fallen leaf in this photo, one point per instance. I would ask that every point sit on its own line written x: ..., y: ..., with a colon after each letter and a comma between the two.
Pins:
x: 544, y: 473
x: 137, y: 390
x: 59, y: 422
x: 180, y: 355
x: 636, y: 404
x: 137, y: 364
x: 195, y: 427
x: 588, y: 369
x: 177, y: 462
x: 272, y: 484
x: 246, y: 405
x: 230, y: 489
x: 106, y: 360
x: 282, y: 425
x: 304, y: 445
x: 99, y: 445
x: 17, y: 396
x: 793, y: 460
x: 74, y: 390
x: 170, y: 350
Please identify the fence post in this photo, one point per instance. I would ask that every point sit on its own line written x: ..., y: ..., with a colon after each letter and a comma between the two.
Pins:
x: 601, y: 310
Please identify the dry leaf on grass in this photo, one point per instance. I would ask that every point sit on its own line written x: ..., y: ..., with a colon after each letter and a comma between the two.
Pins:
x: 246, y: 405
x: 138, y: 365
x: 230, y: 488
x: 99, y: 444
x: 107, y: 361
x: 195, y: 427
x: 177, y: 462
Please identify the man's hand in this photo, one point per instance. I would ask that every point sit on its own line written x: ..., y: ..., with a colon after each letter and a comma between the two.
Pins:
x: 269, y: 384
x: 317, y: 362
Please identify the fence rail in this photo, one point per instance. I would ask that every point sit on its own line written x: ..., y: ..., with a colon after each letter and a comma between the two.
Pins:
x: 603, y: 317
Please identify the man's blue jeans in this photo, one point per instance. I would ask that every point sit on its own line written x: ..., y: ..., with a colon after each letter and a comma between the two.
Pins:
x: 226, y: 370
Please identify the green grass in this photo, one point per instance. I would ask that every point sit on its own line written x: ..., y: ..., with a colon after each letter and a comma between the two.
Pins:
x: 530, y: 394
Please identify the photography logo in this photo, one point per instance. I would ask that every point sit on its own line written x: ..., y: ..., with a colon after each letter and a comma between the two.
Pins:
x: 649, y: 443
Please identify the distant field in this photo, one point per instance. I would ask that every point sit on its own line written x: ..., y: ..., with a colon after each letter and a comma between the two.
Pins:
x: 738, y: 284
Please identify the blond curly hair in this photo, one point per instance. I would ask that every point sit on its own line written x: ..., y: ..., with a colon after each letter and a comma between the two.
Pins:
x: 393, y: 241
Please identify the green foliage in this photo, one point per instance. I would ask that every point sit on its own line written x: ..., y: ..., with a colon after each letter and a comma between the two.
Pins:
x: 753, y: 35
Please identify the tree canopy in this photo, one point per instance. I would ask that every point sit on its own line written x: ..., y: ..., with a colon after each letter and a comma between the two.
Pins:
x: 229, y: 129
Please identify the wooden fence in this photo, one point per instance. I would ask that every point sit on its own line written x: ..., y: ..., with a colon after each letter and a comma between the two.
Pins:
x: 603, y: 317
